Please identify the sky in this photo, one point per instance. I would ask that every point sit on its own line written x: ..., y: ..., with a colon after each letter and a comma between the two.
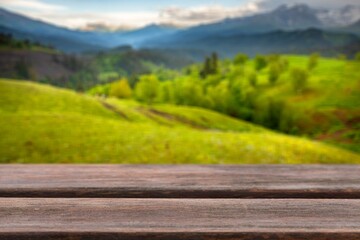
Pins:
x: 129, y: 14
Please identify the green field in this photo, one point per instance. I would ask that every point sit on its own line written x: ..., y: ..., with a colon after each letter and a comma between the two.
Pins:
x: 43, y: 124
x: 325, y: 106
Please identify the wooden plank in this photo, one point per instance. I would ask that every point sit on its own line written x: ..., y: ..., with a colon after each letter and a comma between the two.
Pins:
x: 182, y: 181
x: 179, y: 218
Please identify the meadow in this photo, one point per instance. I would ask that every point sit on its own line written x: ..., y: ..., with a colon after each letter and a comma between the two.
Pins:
x: 44, y: 124
x: 307, y: 96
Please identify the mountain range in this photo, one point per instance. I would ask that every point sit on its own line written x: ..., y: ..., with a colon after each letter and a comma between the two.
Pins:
x: 284, y: 29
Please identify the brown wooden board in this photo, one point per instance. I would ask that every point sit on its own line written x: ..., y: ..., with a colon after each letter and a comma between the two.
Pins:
x: 182, y: 181
x: 34, y: 218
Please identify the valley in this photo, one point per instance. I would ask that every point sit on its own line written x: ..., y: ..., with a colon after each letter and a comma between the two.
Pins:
x: 278, y: 86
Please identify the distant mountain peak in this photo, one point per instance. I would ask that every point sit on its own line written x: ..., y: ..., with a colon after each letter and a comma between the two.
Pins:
x: 344, y: 16
x: 295, y: 16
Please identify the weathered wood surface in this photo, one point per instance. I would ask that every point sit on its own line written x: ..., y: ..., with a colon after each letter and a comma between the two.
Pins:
x: 180, y: 218
x: 182, y: 181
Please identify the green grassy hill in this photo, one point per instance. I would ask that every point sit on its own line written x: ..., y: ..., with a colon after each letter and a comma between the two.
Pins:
x: 307, y: 96
x: 327, y: 110
x: 42, y: 124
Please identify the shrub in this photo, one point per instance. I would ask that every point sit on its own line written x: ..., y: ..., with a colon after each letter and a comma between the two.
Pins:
x: 120, y: 89
x: 274, y: 73
x: 313, y: 61
x: 253, y: 79
x: 146, y: 89
x: 260, y: 62
x: 241, y: 59
x: 299, y: 78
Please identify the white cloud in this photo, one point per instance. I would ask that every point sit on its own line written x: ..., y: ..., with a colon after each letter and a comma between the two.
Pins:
x: 112, y: 20
x: 178, y: 16
x: 36, y: 5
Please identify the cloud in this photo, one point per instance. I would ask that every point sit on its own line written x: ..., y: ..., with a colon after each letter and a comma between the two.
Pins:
x: 104, y: 27
x: 205, y: 14
x: 111, y: 20
x: 36, y: 5
x: 173, y: 15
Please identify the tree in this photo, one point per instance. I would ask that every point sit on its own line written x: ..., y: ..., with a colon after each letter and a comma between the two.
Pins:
x: 273, y: 58
x: 274, y: 113
x: 166, y: 92
x: 274, y: 73
x: 252, y: 79
x: 241, y: 59
x: 206, y: 69
x: 283, y: 64
x: 120, y: 89
x: 146, y: 89
x: 211, y: 66
x: 221, y: 97
x: 313, y: 61
x: 260, y: 62
x: 214, y: 63
x: 299, y: 78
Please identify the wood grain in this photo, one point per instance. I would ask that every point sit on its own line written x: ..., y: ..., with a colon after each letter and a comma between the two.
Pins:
x: 182, y: 181
x: 34, y: 218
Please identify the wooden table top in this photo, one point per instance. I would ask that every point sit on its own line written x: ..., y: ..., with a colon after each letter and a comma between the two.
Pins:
x: 181, y: 181
x: 183, y: 202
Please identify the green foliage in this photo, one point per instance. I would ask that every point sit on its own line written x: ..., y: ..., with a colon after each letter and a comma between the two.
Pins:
x: 274, y: 73
x: 240, y: 92
x: 342, y: 57
x: 260, y: 62
x: 100, y: 90
x: 357, y: 56
x: 120, y: 89
x: 214, y: 63
x: 313, y: 61
x: 299, y: 79
x: 237, y: 90
x: 7, y: 41
x: 241, y: 59
x: 253, y: 80
x: 283, y: 64
x: 60, y: 126
x: 147, y: 89
x: 221, y: 97
x: 166, y: 92
x: 211, y: 66
x: 274, y: 113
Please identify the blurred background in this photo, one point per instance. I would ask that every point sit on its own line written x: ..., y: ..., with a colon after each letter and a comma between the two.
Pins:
x: 213, y: 82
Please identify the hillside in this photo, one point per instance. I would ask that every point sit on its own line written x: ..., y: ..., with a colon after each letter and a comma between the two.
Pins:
x: 326, y: 110
x: 310, y: 96
x: 45, y: 124
x: 23, y: 59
